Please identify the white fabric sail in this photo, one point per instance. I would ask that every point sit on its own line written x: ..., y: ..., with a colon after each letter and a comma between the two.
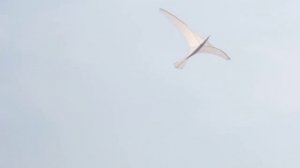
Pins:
x: 195, y: 42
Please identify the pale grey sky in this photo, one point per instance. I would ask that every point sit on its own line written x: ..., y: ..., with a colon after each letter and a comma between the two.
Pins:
x: 92, y: 84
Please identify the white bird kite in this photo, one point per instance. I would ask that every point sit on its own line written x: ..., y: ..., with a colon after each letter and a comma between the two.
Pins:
x: 196, y: 43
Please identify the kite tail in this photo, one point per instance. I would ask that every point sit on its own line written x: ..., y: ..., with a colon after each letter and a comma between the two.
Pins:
x: 180, y: 64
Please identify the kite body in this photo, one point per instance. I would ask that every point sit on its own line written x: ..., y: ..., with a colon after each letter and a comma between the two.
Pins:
x: 196, y: 43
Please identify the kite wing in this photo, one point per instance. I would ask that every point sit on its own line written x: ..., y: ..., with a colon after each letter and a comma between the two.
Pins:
x: 192, y: 38
x: 215, y: 51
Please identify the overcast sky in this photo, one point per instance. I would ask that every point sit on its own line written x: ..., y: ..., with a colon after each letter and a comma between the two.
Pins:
x: 91, y: 83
